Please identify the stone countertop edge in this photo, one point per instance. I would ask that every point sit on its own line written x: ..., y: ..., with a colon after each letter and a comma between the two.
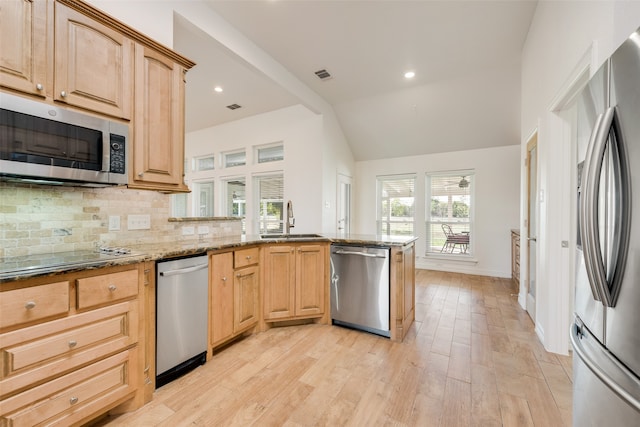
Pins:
x: 157, y: 252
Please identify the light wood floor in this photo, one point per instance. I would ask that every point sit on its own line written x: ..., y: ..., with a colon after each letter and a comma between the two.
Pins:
x: 471, y: 359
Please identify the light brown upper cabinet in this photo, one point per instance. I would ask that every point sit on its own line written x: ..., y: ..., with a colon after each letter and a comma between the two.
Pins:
x: 67, y: 52
x: 93, y: 64
x: 158, y: 155
x: 23, y: 46
x: 57, y: 53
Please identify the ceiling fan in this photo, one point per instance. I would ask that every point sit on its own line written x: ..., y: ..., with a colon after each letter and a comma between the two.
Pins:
x: 463, y: 182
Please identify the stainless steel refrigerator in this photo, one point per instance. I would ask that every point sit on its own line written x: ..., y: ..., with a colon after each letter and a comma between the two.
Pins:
x: 606, y: 332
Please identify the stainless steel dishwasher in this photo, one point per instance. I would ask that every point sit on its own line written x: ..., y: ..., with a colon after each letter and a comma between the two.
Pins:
x: 182, y: 295
x: 360, y: 288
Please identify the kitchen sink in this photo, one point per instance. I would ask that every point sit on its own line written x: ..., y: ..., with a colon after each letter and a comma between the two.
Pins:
x: 289, y: 236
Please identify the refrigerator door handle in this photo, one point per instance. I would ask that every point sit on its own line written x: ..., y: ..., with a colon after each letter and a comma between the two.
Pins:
x: 606, y: 283
x: 605, y: 366
x: 586, y: 220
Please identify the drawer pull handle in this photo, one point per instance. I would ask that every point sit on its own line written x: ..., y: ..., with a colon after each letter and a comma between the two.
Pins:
x: 73, y: 400
x: 29, y: 305
x: 112, y: 288
x: 248, y: 257
x: 73, y: 343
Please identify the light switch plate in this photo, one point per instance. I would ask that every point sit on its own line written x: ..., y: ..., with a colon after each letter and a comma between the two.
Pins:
x: 114, y: 222
x: 139, y: 222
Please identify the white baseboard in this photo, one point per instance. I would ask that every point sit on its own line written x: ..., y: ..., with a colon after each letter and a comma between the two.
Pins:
x: 464, y: 268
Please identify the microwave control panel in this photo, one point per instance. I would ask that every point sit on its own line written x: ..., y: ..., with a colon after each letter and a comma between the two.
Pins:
x: 117, y: 149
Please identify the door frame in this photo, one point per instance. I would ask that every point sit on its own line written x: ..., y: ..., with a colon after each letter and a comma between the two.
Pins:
x: 343, y: 179
x: 532, y: 144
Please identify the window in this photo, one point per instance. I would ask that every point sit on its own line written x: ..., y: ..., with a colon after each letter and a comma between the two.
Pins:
x: 203, y: 198
x: 449, y: 212
x: 269, y: 202
x: 179, y: 205
x: 270, y: 153
x: 235, y: 200
x: 237, y: 158
x: 396, y: 201
x: 203, y: 163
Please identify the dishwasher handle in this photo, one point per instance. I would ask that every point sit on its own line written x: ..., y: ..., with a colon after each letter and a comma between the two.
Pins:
x: 183, y: 270
x: 365, y: 254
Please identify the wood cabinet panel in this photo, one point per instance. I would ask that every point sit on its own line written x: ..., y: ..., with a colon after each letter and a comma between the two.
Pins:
x: 33, y: 303
x: 93, y: 64
x: 222, y: 305
x: 279, y: 289
x: 158, y: 155
x: 246, y: 292
x: 107, y: 288
x: 310, y: 278
x: 23, y: 46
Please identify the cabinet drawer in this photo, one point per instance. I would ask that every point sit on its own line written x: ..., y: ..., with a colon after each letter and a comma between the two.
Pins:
x: 37, y: 302
x: 39, y: 352
x: 107, y: 288
x: 75, y: 396
x: 245, y: 257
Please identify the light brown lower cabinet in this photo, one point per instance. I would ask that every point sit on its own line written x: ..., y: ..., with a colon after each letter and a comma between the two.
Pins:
x: 72, y: 346
x: 403, y: 298
x: 295, y: 281
x: 234, y: 294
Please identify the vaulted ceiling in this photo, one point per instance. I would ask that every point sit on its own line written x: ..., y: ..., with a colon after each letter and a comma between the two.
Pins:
x: 466, y: 56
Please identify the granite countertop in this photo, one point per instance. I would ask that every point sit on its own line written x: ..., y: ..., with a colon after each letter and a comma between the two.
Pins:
x: 23, y: 267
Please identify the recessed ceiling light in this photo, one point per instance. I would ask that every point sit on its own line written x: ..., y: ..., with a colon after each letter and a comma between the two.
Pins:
x: 218, y: 89
x: 409, y: 74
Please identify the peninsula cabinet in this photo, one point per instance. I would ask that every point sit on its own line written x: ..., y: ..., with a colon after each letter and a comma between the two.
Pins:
x: 71, y: 346
x: 234, y: 294
x: 403, y: 298
x: 295, y: 281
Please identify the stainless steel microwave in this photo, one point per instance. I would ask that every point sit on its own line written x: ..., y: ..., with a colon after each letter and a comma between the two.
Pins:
x: 44, y: 143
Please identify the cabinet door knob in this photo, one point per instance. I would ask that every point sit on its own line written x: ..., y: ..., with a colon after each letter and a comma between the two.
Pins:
x: 248, y: 257
x: 112, y: 288
x: 73, y: 343
x: 63, y: 94
x: 39, y: 86
x: 29, y: 305
x: 73, y: 400
x: 224, y: 279
x: 140, y: 175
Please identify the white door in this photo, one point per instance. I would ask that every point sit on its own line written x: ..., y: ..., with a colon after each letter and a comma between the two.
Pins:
x: 343, y: 206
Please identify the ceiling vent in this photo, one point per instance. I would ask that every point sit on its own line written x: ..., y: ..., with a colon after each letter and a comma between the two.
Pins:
x: 323, y: 74
x: 234, y: 106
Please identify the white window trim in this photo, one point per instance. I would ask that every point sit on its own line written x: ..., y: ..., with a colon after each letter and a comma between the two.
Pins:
x: 470, y: 256
x: 379, y: 180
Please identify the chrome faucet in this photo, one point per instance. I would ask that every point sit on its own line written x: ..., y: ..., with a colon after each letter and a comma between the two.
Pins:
x: 289, y: 221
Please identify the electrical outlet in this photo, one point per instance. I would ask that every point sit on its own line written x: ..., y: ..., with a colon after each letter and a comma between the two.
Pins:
x: 203, y: 229
x: 114, y: 222
x: 139, y: 222
x: 188, y: 231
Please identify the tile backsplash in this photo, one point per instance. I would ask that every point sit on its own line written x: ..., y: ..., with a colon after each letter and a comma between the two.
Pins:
x: 44, y: 219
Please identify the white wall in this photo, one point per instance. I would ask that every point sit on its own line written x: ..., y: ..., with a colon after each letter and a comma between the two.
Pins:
x: 563, y: 38
x: 301, y: 132
x: 497, y: 176
x: 155, y: 19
